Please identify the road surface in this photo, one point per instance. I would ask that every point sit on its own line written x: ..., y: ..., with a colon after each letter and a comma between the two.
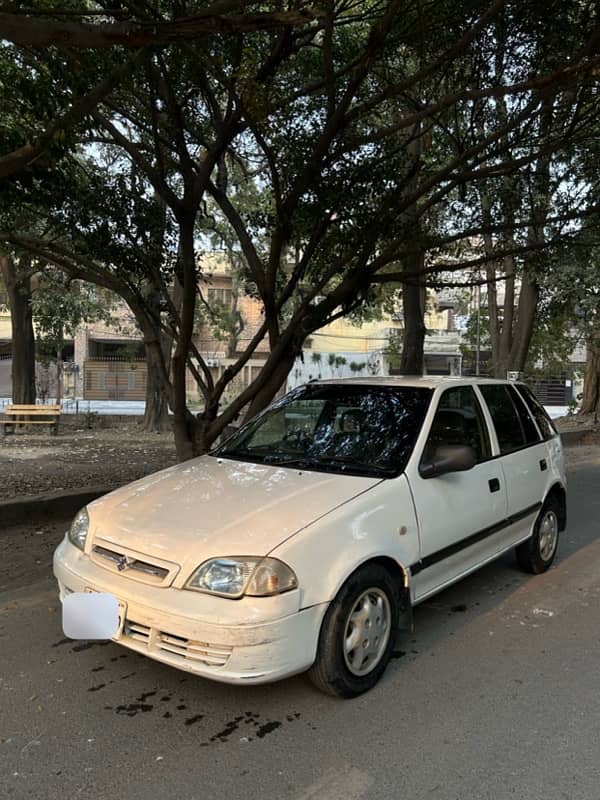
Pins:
x: 496, y: 695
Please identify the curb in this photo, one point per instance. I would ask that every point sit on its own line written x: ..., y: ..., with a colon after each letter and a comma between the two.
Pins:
x: 40, y: 507
x: 570, y: 438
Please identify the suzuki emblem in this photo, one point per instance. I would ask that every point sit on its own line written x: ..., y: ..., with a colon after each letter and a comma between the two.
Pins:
x: 122, y: 563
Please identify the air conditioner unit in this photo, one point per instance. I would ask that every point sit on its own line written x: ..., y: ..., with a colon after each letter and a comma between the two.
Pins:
x: 212, y: 362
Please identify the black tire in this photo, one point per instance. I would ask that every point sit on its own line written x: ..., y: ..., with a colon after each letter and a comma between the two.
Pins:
x: 532, y: 555
x: 330, y: 672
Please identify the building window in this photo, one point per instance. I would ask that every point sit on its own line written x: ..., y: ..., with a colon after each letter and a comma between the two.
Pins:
x: 102, y: 380
x: 131, y: 380
x: 88, y: 380
x: 221, y: 296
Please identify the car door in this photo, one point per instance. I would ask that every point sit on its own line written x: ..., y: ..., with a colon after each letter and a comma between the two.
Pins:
x: 523, y: 455
x: 459, y: 514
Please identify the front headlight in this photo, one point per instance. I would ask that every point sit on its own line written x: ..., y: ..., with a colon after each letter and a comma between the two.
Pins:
x: 240, y: 575
x: 79, y: 529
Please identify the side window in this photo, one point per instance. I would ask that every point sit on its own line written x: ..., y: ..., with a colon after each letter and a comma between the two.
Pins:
x: 529, y: 429
x: 509, y: 429
x: 537, y: 409
x: 459, y: 420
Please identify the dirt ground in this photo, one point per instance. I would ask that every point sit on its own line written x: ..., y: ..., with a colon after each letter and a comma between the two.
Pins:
x: 111, y: 453
x: 115, y: 451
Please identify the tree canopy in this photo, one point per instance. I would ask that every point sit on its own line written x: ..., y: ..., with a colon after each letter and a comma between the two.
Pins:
x: 387, y: 143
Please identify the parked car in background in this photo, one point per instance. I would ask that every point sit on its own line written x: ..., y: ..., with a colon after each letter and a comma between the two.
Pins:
x: 305, y: 540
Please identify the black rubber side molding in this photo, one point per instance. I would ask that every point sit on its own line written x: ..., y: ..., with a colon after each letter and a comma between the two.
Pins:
x: 446, y: 552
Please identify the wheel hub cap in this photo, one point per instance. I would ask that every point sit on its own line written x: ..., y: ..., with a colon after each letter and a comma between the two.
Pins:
x: 367, y: 632
x: 548, y: 535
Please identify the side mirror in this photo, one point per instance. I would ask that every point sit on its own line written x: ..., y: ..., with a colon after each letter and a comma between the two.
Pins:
x: 449, y: 458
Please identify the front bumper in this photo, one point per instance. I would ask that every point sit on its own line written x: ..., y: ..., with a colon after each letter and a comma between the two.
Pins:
x: 198, y: 633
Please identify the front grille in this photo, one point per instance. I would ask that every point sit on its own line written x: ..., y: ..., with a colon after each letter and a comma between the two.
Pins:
x: 137, y: 631
x: 133, y: 565
x: 213, y: 655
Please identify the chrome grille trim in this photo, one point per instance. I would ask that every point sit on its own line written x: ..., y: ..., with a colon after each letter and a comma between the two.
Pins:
x: 156, y: 573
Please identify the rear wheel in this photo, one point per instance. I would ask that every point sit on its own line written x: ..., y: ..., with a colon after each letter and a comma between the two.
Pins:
x: 538, y: 552
x: 358, y: 633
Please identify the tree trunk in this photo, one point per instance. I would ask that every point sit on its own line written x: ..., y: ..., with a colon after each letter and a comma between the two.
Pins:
x: 413, y: 304
x: 590, y: 403
x: 184, y: 426
x: 59, y: 375
x: 535, y: 262
x: 413, y: 295
x: 23, y: 339
x: 490, y: 275
x: 156, y: 415
x: 281, y: 370
x: 528, y: 303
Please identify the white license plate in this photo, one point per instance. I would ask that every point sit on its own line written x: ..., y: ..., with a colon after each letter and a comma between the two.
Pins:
x: 122, y: 613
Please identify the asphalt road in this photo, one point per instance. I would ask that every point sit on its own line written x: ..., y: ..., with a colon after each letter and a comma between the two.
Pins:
x: 496, y: 695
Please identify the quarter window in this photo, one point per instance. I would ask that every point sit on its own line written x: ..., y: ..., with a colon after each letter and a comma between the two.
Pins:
x: 507, y: 423
x: 537, y: 409
x: 529, y: 429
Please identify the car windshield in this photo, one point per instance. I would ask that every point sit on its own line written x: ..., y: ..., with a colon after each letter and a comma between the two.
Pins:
x: 352, y: 429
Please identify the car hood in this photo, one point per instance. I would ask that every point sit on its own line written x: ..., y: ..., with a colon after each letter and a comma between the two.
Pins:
x: 211, y: 507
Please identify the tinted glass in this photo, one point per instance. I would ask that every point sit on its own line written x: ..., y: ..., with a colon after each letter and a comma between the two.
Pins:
x: 506, y: 420
x: 459, y: 420
x: 341, y: 428
x: 544, y: 422
x: 529, y: 428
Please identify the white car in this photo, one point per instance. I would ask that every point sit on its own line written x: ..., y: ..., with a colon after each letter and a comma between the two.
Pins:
x: 304, y: 541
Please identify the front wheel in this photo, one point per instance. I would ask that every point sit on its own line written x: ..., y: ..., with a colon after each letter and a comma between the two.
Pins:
x: 538, y: 552
x: 358, y: 633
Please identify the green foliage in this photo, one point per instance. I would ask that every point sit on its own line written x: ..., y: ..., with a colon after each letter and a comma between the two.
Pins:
x: 553, y: 341
x: 394, y: 348
x: 60, y: 306
x: 552, y: 344
x: 90, y: 418
x: 356, y: 366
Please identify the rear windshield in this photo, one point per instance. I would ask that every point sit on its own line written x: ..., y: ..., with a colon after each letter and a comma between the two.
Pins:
x: 347, y: 429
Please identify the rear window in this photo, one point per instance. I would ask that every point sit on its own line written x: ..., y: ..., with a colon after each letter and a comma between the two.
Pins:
x: 544, y: 422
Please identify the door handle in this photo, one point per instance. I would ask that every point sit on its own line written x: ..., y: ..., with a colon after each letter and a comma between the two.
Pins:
x: 494, y: 484
x: 543, y: 465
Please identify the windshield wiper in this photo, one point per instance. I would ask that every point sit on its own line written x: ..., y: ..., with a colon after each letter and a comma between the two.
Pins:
x: 352, y: 462
x: 322, y: 460
x: 285, y: 462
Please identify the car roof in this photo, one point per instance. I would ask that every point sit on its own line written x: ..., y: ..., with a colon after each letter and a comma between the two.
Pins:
x: 423, y: 381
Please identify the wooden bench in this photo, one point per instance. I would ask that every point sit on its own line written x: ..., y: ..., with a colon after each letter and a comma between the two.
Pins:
x: 30, y: 415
